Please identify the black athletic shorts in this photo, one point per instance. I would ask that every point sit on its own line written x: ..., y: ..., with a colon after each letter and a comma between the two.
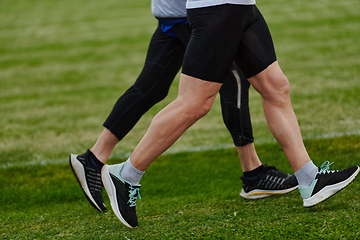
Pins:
x: 223, y: 34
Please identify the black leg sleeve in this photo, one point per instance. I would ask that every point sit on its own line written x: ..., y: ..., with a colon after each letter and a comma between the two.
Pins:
x: 163, y: 61
x: 234, y: 95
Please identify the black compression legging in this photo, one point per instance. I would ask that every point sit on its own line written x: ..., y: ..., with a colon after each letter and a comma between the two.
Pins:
x: 163, y: 61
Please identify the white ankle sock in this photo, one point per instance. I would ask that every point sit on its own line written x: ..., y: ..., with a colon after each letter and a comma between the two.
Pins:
x: 306, y: 174
x: 131, y: 174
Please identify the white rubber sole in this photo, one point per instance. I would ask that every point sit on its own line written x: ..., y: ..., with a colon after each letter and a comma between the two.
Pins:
x: 255, y: 194
x: 78, y: 169
x: 328, y: 191
x: 111, y: 191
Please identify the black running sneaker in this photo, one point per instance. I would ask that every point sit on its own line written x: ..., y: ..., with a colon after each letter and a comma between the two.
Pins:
x: 89, y: 178
x: 272, y: 181
x: 122, y: 194
x: 326, y: 184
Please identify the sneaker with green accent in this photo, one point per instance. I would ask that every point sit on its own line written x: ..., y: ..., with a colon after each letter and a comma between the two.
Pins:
x: 326, y: 184
x: 121, y: 193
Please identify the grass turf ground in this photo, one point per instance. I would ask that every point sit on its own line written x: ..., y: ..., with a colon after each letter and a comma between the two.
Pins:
x: 63, y: 64
x: 185, y: 195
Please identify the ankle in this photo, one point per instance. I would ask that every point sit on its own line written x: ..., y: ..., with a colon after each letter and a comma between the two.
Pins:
x: 306, y: 174
x: 131, y: 174
x: 253, y: 174
x: 94, y: 160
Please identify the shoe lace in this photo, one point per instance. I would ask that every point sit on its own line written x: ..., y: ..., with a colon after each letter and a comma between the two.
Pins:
x: 325, y: 167
x: 134, y: 194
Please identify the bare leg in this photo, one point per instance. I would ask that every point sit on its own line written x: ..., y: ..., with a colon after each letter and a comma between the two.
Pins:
x: 104, y: 145
x: 107, y: 141
x: 248, y: 157
x: 277, y: 107
x: 194, y: 100
x: 274, y: 87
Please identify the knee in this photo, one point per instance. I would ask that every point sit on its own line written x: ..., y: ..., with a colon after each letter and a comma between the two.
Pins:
x: 280, y: 91
x: 199, y: 110
x: 156, y: 95
x: 195, y: 109
x: 197, y: 96
x: 204, y: 108
x: 275, y: 89
x: 152, y: 95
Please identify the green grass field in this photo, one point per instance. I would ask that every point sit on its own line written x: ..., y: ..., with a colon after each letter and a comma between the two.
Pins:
x: 185, y: 195
x: 63, y: 64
